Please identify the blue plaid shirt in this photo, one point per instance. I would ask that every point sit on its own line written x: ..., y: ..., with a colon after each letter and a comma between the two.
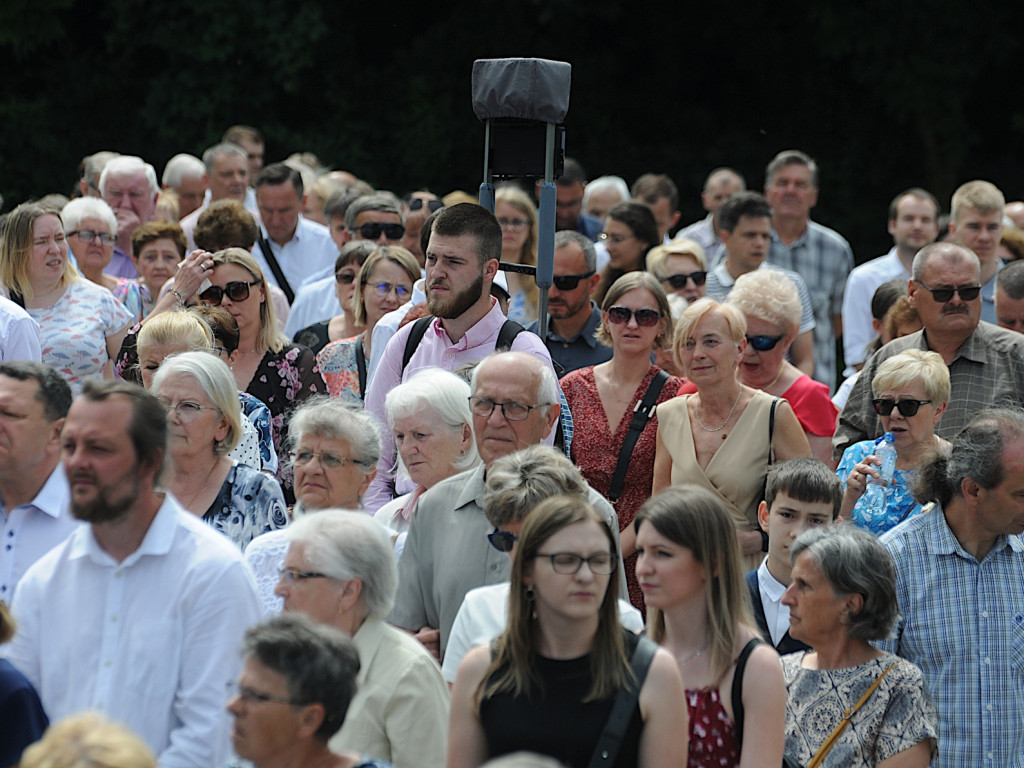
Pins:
x: 962, y: 623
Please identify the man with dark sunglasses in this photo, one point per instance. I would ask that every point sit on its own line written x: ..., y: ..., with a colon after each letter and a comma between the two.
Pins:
x: 573, y: 317
x: 986, y: 363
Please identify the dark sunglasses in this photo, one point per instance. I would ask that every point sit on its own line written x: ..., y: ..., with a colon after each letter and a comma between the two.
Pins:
x: 371, y: 230
x: 679, y: 281
x: 907, y: 408
x: 345, y: 278
x: 942, y: 295
x: 645, y: 318
x: 236, y: 291
x: 763, y: 343
x: 502, y: 540
x: 569, y: 282
x: 415, y: 203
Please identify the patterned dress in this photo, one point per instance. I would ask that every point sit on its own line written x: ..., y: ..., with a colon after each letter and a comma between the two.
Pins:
x: 596, y: 450
x: 249, y: 503
x: 712, y: 731
x: 899, y: 504
x: 135, y: 297
x: 339, y: 367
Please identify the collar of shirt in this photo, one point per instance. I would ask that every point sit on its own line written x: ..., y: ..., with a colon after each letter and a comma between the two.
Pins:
x: 52, y: 498
x: 587, y: 334
x: 771, y: 586
x: 489, y: 325
x: 724, y: 278
x: 157, y: 541
x: 295, y: 238
x: 941, y: 541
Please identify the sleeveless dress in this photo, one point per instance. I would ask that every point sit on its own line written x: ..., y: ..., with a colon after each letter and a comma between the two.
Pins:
x: 712, y: 731
x: 736, y: 472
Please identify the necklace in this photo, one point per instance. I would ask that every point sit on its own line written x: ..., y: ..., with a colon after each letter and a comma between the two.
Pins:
x: 728, y: 418
x: 774, y: 381
x: 683, y: 662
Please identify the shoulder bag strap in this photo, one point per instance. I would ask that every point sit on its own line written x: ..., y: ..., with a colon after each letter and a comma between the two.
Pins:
x: 361, y: 368
x: 737, y: 687
x: 282, y: 282
x: 771, y: 450
x: 610, y: 740
x: 509, y: 330
x: 642, y: 413
x: 419, y: 328
x: 834, y: 736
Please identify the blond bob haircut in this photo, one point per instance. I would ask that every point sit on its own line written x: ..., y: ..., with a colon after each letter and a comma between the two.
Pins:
x: 88, y: 740
x: 178, y: 329
x: 217, y: 382
x: 630, y: 282
x: 16, y: 249
x: 686, y: 324
x: 396, y: 254
x: 683, y: 246
x: 269, y: 336
x: 768, y: 295
x: 904, y: 369
x: 981, y: 196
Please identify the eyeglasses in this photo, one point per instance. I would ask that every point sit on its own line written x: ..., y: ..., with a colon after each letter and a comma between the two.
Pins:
x: 606, y: 238
x: 645, y: 318
x: 371, y: 230
x: 600, y: 564
x: 345, y: 278
x: 481, y: 406
x: 187, y: 411
x: 679, y: 281
x: 415, y: 203
x: 250, y: 696
x: 942, y: 295
x: 569, y: 282
x: 502, y: 540
x: 383, y: 289
x: 291, y: 575
x: 512, y: 223
x: 907, y: 408
x: 237, y: 290
x: 327, y: 460
x: 87, y: 236
x: 763, y: 343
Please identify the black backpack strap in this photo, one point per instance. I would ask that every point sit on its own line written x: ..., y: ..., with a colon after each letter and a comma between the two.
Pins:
x: 509, y: 330
x: 419, y: 328
x: 642, y: 413
x: 271, y: 259
x: 361, y: 368
x: 737, y: 687
x: 610, y: 740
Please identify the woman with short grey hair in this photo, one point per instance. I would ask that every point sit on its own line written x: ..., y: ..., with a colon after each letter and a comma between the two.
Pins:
x: 340, y: 571
x: 842, y: 595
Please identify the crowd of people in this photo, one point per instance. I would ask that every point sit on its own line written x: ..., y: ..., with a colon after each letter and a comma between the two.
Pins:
x: 290, y: 476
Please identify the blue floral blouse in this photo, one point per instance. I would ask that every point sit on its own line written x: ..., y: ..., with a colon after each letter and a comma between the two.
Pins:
x: 899, y: 504
x: 249, y: 503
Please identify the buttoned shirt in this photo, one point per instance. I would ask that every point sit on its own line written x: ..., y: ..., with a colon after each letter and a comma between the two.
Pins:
x: 988, y: 297
x: 152, y: 641
x: 121, y: 265
x: 824, y: 260
x: 961, y: 622
x: 703, y: 233
x: 19, y: 333
x: 310, y: 249
x: 858, y: 331
x: 581, y: 351
x: 33, y: 529
x: 986, y: 372
x: 776, y: 614
x: 435, y: 350
x: 720, y: 282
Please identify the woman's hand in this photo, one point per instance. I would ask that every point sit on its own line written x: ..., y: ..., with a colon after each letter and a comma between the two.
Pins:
x: 857, y: 484
x: 195, y: 268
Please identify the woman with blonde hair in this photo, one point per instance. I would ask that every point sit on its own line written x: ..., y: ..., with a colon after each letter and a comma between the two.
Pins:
x: 88, y: 740
x: 691, y: 573
x: 517, y: 216
x: 681, y: 267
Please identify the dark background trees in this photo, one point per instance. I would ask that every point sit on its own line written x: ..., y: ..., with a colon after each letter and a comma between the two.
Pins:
x: 883, y: 95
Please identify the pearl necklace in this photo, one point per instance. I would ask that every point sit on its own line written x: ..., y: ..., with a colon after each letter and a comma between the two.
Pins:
x: 728, y: 418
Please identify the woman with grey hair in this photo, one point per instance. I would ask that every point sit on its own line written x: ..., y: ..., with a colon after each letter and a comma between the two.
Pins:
x: 335, y: 450
x: 91, y: 231
x: 204, y: 424
x: 843, y: 594
x: 340, y: 571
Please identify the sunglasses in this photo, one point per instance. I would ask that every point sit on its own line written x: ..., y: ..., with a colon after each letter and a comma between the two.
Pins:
x: 942, y: 295
x: 679, y: 281
x: 371, y: 230
x: 237, y: 290
x: 502, y: 540
x: 345, y: 278
x: 415, y: 203
x: 763, y: 343
x: 569, y: 282
x: 645, y: 318
x: 907, y: 408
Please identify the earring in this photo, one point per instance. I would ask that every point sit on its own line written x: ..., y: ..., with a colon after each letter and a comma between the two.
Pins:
x: 530, y: 595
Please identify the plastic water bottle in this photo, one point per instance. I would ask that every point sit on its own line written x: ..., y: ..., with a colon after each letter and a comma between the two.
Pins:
x: 885, y: 452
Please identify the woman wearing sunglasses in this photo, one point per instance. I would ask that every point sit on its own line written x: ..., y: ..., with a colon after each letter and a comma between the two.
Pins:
x: 517, y: 216
x: 342, y: 326
x: 911, y: 392
x: 603, y: 399
x: 384, y: 283
x: 682, y: 269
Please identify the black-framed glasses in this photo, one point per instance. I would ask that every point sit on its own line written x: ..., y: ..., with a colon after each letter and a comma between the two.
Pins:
x: 680, y: 280
x: 601, y: 563
x: 907, y: 408
x: 291, y: 575
x: 415, y: 203
x: 345, y: 277
x: 252, y: 696
x: 569, y: 282
x: 481, y: 406
x: 502, y: 541
x: 236, y: 290
x: 186, y: 410
x: 942, y: 295
x: 327, y: 459
x: 645, y: 317
x: 88, y: 235
x: 372, y: 230
x: 763, y: 343
x: 383, y: 289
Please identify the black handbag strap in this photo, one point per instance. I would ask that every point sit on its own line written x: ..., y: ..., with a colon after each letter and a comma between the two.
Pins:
x: 361, y: 368
x: 610, y: 741
x: 737, y: 683
x: 642, y: 413
x: 282, y: 281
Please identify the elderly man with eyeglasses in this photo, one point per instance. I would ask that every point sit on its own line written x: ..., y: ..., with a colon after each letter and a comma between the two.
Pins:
x: 986, y: 363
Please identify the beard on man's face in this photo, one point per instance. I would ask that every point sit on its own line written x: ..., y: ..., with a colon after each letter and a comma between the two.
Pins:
x: 458, y: 303
x: 107, y: 503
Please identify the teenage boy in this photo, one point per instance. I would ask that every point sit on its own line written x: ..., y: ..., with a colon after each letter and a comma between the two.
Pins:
x: 800, y: 494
